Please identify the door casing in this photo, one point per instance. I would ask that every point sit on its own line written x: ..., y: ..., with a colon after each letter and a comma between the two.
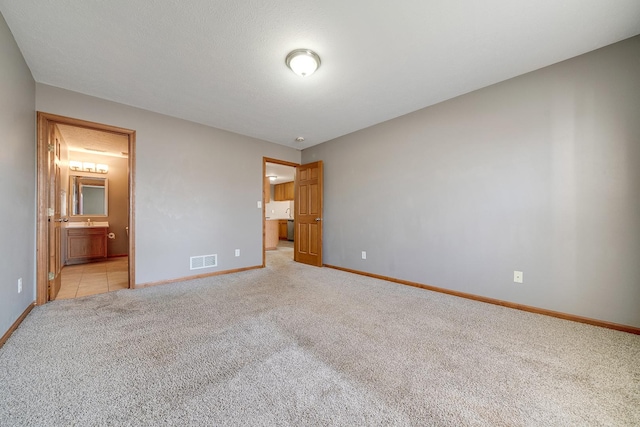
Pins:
x: 45, y: 123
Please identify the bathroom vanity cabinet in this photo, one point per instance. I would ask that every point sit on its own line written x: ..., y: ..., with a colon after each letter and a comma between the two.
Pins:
x: 86, y: 245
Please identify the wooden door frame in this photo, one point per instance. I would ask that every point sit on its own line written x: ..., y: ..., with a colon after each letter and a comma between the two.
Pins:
x: 266, y: 160
x: 45, y: 122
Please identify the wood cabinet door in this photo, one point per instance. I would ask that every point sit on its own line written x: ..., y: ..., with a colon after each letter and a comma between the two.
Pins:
x: 278, y: 192
x: 289, y: 190
x: 282, y: 230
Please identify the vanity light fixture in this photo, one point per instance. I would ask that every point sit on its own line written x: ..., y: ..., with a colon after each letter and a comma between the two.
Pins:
x: 303, y: 62
x: 75, y: 165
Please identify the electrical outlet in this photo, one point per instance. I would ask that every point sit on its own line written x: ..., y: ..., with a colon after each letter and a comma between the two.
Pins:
x: 20, y: 285
x: 364, y: 254
x: 517, y: 276
x: 237, y: 252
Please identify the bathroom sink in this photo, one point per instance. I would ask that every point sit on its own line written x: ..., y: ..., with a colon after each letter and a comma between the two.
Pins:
x: 85, y: 224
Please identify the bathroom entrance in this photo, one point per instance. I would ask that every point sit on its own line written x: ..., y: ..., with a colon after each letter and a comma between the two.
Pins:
x: 89, y: 198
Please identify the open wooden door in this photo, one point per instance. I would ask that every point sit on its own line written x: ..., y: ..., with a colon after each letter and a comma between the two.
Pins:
x: 308, y: 216
x: 55, y: 201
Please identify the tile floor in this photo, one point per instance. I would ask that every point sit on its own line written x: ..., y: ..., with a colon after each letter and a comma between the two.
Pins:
x: 94, y: 278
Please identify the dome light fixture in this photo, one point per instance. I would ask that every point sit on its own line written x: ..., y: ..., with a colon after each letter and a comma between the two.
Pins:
x: 299, y: 139
x: 303, y: 62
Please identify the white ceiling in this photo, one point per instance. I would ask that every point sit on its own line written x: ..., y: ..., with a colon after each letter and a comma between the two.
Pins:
x: 94, y: 141
x: 221, y: 63
x: 281, y: 172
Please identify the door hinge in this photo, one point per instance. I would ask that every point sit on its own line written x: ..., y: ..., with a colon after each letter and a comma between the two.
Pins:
x: 51, y: 148
x: 52, y: 275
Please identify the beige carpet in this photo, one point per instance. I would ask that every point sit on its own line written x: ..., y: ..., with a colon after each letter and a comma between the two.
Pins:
x: 292, y: 345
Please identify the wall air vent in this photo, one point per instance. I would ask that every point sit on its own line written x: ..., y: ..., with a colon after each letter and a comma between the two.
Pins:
x: 204, y: 261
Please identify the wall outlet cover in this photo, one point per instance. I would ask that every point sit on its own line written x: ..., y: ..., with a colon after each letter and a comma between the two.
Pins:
x: 518, y: 276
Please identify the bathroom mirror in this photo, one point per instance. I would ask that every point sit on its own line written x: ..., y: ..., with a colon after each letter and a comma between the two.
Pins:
x: 89, y: 196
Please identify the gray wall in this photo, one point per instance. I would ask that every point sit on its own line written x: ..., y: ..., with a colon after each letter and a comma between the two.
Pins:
x: 17, y: 181
x: 197, y: 187
x: 540, y: 174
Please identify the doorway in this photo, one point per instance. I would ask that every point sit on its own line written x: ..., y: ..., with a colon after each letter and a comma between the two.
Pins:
x: 278, y: 210
x: 307, y: 194
x: 96, y: 150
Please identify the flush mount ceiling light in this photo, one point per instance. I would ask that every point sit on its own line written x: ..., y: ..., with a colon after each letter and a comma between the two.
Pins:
x: 299, y: 139
x: 303, y: 62
x: 272, y: 177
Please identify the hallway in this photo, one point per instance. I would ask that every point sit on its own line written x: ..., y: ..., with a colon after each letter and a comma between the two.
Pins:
x: 94, y: 278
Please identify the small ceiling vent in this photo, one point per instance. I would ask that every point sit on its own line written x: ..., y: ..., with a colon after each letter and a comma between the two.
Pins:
x: 204, y: 261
